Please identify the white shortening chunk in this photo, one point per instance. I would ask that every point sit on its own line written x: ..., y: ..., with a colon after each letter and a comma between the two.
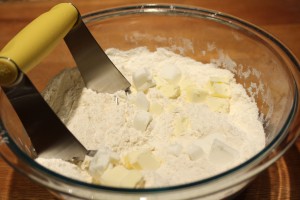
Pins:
x: 142, y: 160
x: 142, y: 79
x: 175, y: 149
x: 172, y: 74
x: 194, y: 151
x: 98, y: 165
x: 119, y: 176
x: 142, y: 101
x: 121, y: 95
x: 218, y: 104
x: 221, y: 90
x: 142, y: 120
x: 221, y: 153
x: 101, y: 161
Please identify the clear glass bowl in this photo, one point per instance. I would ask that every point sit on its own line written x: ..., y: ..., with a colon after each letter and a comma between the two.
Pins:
x: 259, y: 61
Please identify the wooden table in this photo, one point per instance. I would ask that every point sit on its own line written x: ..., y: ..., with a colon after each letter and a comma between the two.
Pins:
x: 279, y: 17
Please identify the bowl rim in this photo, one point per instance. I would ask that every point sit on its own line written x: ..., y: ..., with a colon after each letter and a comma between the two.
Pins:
x: 189, y: 11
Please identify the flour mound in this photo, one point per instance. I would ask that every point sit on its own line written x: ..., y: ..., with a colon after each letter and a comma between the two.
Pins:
x: 98, y: 119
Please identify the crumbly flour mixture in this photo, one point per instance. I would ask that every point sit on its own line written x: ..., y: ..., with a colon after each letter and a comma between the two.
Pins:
x: 182, y: 122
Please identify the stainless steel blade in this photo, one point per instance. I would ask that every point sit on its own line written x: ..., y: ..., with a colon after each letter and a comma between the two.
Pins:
x: 97, y: 70
x: 49, y: 136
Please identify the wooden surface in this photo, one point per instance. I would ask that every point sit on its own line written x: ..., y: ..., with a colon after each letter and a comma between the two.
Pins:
x: 279, y: 17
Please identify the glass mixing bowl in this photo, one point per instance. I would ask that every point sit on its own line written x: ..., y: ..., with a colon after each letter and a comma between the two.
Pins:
x: 264, y: 66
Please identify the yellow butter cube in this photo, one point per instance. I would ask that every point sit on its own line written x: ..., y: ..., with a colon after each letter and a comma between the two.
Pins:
x: 147, y: 161
x: 170, y: 91
x: 195, y: 94
x: 221, y: 90
x: 156, y: 108
x: 113, y: 177
x: 186, y: 82
x: 220, y: 79
x: 218, y: 104
x: 131, y: 179
x: 119, y: 176
x: 130, y: 159
x: 142, y: 160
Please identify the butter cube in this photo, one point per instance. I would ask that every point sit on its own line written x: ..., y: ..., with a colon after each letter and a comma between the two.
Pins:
x: 113, y: 177
x: 147, y: 161
x: 180, y: 124
x: 142, y: 160
x: 119, y: 176
x: 218, y: 104
x: 194, y: 152
x: 221, y: 90
x: 132, y: 89
x: 142, y: 79
x: 170, y: 91
x: 220, y: 79
x: 175, y: 149
x: 172, y: 74
x: 131, y: 158
x: 186, y: 83
x: 159, y: 81
x: 142, y: 120
x: 156, y: 108
x: 195, y: 94
x: 142, y: 101
x: 221, y: 153
x: 132, y: 179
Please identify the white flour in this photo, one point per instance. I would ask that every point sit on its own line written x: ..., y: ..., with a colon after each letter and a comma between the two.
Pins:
x: 97, y: 120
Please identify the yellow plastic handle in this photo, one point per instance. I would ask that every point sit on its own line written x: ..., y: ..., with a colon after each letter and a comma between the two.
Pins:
x: 36, y: 41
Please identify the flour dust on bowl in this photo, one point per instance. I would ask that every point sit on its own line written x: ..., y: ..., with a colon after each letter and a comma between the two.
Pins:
x: 181, y: 61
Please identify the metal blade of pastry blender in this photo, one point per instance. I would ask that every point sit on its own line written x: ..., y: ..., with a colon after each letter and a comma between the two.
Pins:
x: 49, y: 136
x: 97, y: 71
